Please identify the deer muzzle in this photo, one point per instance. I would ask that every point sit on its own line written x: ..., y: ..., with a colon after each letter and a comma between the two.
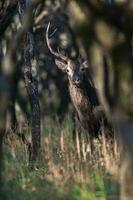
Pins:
x: 76, y: 80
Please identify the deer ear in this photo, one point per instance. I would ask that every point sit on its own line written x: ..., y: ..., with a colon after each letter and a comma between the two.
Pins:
x: 61, y: 65
x: 85, y: 64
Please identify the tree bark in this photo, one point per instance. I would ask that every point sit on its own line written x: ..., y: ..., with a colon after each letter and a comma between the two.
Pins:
x: 31, y: 83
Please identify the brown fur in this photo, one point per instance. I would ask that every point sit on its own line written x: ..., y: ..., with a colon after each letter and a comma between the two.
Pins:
x: 84, y: 108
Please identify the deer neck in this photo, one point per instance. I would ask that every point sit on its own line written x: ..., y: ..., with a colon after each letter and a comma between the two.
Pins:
x: 80, y: 101
x: 77, y: 93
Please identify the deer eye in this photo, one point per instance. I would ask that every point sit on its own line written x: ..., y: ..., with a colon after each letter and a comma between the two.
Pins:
x: 67, y: 70
x: 82, y: 69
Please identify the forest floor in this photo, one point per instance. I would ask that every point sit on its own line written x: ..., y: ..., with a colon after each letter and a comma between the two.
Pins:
x: 65, y: 171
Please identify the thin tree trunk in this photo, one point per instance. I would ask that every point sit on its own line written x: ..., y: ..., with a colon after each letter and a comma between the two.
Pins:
x: 31, y: 82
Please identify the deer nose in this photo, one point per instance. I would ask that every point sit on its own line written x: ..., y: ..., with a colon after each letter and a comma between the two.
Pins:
x: 76, y: 80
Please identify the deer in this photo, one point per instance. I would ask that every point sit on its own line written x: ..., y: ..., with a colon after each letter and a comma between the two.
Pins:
x: 83, y: 94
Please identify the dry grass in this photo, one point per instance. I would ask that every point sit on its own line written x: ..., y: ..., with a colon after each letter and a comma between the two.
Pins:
x: 65, y: 164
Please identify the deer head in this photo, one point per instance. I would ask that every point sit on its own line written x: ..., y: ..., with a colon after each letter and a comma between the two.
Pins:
x: 75, y: 69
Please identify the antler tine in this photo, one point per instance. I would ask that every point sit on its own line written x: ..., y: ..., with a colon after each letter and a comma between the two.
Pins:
x: 58, y: 55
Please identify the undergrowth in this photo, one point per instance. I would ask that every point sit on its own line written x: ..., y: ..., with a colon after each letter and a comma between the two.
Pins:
x: 65, y: 170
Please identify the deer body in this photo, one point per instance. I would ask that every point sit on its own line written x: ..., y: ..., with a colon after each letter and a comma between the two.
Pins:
x: 83, y: 95
x: 86, y: 104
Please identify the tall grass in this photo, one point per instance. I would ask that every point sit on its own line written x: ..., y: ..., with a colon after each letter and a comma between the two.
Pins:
x: 65, y: 171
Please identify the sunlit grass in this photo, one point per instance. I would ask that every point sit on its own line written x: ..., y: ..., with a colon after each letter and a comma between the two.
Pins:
x: 61, y: 173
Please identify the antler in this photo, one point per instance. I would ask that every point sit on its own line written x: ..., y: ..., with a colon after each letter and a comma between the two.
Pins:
x: 57, y: 54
